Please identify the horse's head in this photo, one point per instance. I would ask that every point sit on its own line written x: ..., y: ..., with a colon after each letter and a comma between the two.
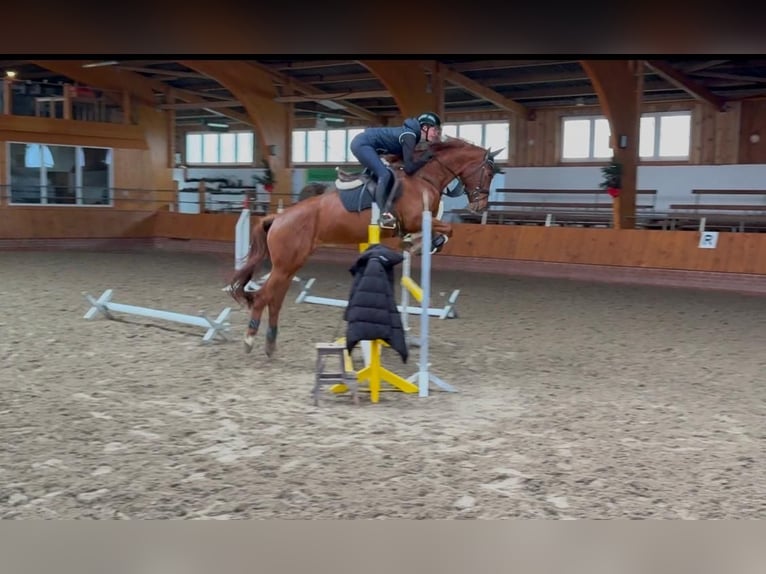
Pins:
x: 473, y: 165
x: 477, y: 180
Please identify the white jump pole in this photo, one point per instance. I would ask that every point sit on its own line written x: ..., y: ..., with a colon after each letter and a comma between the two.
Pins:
x: 423, y: 376
x: 241, y: 240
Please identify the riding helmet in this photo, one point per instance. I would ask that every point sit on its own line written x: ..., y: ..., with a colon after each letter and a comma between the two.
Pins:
x: 429, y: 119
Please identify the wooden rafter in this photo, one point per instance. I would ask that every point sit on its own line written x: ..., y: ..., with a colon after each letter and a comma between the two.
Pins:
x: 157, y: 71
x: 476, y: 65
x: 309, y: 90
x: 677, y: 78
x: 140, y: 86
x: 696, y: 67
x: 483, y: 91
x: 335, y: 96
x: 208, y: 105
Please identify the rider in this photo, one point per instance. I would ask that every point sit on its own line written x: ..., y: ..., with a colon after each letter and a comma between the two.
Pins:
x: 367, y: 145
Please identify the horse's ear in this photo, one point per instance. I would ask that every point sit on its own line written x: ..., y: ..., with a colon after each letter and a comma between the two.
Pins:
x: 492, y: 154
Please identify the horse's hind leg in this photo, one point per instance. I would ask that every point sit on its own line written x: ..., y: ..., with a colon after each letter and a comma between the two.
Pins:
x: 277, y: 296
x: 260, y: 298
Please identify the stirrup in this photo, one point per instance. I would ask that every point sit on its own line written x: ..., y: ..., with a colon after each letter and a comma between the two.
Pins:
x: 387, y: 221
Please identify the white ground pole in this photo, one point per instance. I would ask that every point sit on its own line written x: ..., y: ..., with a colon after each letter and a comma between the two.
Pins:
x: 104, y: 305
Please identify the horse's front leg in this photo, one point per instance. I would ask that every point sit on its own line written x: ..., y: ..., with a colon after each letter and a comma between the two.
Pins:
x: 441, y: 231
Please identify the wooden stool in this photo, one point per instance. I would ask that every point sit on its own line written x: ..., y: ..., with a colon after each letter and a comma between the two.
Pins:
x: 325, y: 350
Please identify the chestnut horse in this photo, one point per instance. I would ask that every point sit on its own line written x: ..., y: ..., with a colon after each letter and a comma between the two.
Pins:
x: 290, y: 237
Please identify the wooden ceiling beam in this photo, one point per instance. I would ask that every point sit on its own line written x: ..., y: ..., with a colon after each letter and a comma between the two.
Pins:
x: 503, y: 64
x: 335, y: 96
x: 207, y: 105
x: 694, y: 89
x: 736, y: 77
x: 308, y: 90
x: 309, y: 65
x: 483, y: 91
x: 160, y: 72
x: 703, y: 65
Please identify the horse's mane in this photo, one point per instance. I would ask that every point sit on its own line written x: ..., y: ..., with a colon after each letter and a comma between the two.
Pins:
x: 450, y: 143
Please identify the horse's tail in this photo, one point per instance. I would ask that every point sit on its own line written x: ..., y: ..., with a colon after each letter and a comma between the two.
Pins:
x: 259, y: 251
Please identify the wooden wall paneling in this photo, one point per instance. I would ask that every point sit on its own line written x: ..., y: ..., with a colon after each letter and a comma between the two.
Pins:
x: 4, y: 189
x: 708, y: 135
x: 695, y: 145
x: 727, y: 134
x: 515, y: 126
x: 550, y: 138
x: 206, y: 226
x: 736, y: 252
x: 628, y: 245
x: 752, y: 121
x: 535, y: 142
x: 68, y: 222
x: 521, y: 154
x: 70, y: 132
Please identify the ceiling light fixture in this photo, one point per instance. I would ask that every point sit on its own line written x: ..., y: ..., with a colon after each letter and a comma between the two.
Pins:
x: 99, y: 64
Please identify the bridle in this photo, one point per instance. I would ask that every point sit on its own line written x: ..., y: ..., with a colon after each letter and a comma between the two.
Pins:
x: 481, y: 191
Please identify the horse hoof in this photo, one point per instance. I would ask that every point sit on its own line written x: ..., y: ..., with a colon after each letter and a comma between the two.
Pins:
x: 270, y: 348
x: 248, y: 341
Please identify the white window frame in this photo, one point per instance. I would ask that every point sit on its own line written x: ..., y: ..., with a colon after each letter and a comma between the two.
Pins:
x: 505, y: 154
x: 656, y: 144
x: 348, y: 157
x: 201, y: 135
x: 78, y: 176
x: 591, y: 141
x: 658, y: 134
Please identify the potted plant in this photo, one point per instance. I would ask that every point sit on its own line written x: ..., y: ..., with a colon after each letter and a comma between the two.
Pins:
x: 612, y: 181
x: 267, y: 180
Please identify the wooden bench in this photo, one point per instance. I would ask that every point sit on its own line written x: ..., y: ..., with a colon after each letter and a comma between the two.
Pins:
x: 577, y: 212
x: 698, y: 193
x: 736, y: 216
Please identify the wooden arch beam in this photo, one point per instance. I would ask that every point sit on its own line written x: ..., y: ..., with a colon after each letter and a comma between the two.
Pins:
x: 619, y: 86
x: 416, y: 85
x: 106, y: 78
x: 142, y: 88
x: 255, y: 89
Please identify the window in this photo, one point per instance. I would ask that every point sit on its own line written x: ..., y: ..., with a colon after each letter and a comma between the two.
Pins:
x: 665, y: 135
x: 59, y: 175
x: 586, y: 138
x: 332, y: 145
x: 323, y: 145
x: 492, y: 135
x: 219, y: 148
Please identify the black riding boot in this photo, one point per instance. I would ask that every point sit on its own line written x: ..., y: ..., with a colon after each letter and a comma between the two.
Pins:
x: 386, y: 220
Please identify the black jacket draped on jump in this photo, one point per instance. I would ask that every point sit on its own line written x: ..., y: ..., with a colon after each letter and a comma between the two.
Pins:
x: 371, y: 313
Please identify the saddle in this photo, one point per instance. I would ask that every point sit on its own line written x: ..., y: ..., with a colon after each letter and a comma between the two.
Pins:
x: 352, y: 179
